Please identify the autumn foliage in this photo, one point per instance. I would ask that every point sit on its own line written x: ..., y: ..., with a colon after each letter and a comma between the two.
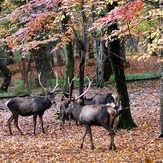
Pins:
x: 126, y: 13
x: 39, y: 22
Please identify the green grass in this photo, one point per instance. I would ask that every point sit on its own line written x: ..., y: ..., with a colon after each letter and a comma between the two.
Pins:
x: 142, y: 76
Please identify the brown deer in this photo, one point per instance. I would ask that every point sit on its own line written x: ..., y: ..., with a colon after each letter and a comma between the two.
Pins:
x: 94, y: 115
x: 28, y: 106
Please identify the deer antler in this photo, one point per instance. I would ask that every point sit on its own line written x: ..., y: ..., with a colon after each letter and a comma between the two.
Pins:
x: 69, y: 85
x: 89, y: 85
x: 56, y: 82
x: 39, y: 79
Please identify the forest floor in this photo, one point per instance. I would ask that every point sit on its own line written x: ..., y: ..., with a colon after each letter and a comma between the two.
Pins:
x: 62, y: 145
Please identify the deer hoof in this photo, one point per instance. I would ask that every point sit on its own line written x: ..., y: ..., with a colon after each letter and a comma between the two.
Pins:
x: 112, y: 147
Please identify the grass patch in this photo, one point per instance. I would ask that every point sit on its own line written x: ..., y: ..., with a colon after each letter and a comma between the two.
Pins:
x: 142, y: 76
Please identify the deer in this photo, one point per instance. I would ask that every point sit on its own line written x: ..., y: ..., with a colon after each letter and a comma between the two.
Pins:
x: 94, y: 115
x: 101, y: 99
x: 65, y: 103
x: 63, y: 107
x: 96, y: 99
x: 28, y: 106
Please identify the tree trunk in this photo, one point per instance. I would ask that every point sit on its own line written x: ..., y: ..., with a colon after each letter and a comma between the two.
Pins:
x: 103, y: 68
x: 161, y: 103
x: 25, y: 67
x: 7, y: 77
x: 68, y: 50
x: 82, y: 50
x: 69, y: 68
x: 161, y: 87
x: 107, y: 68
x: 43, y: 64
x: 100, y: 56
x: 81, y: 71
x: 125, y: 120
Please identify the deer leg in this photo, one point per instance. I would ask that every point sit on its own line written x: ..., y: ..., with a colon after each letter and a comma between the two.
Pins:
x: 112, y: 145
x: 41, y: 122
x: 69, y: 119
x: 34, y: 123
x: 86, y: 129
x: 63, y: 119
x: 90, y: 134
x: 9, y: 123
x: 112, y: 135
x: 16, y: 124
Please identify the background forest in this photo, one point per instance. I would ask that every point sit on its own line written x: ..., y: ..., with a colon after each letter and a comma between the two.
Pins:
x: 117, y: 44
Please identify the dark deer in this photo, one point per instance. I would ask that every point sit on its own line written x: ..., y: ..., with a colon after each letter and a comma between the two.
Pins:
x: 28, y: 106
x: 101, y: 99
x: 94, y: 115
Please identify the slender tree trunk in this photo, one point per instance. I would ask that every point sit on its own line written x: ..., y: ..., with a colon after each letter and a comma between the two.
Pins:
x: 82, y: 50
x: 103, y: 68
x: 68, y: 50
x: 100, y: 56
x: 69, y: 68
x: 161, y: 87
x: 81, y: 71
x: 161, y: 103
x: 43, y: 64
x: 25, y: 67
x: 7, y: 77
x: 107, y: 68
x: 125, y: 120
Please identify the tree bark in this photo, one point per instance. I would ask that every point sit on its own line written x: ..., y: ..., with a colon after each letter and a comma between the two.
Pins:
x: 25, y: 67
x: 68, y: 50
x: 125, y: 120
x: 103, y: 68
x: 69, y: 68
x: 7, y: 77
x: 161, y: 87
x: 161, y: 103
x: 82, y: 50
x: 100, y: 56
x: 43, y: 64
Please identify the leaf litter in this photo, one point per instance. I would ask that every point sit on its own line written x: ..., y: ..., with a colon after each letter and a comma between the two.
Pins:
x: 62, y: 144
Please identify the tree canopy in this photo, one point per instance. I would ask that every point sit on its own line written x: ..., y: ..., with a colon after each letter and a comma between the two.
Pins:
x: 39, y: 21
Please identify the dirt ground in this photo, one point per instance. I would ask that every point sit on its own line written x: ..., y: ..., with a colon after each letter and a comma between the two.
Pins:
x: 139, y: 145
